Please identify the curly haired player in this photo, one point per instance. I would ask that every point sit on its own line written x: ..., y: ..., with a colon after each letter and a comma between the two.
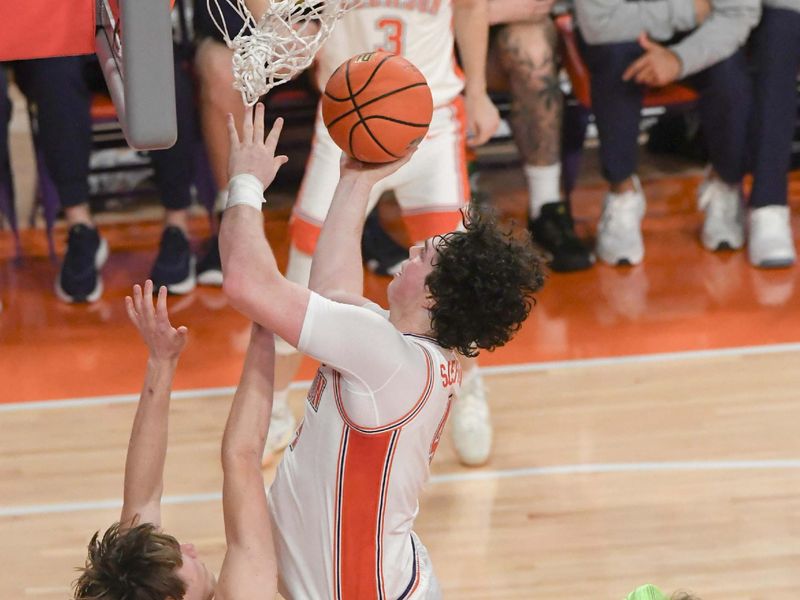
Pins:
x: 134, y: 559
x: 346, y: 493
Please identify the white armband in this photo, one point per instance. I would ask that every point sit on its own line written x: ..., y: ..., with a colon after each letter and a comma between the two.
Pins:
x: 245, y: 189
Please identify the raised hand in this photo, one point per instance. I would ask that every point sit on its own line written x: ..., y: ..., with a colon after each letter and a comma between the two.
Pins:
x: 372, y: 172
x: 163, y: 340
x: 254, y: 154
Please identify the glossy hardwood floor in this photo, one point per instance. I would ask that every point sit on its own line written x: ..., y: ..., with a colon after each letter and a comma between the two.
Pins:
x: 613, y: 465
x: 681, y: 298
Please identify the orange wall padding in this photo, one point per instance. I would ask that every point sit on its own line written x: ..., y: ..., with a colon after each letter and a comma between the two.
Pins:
x: 43, y: 28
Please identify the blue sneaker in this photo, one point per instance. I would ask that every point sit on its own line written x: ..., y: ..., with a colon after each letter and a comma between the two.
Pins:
x: 79, y: 279
x: 174, y: 266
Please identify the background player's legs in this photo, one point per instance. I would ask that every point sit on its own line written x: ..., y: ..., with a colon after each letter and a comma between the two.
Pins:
x: 213, y: 66
x: 174, y: 266
x: 526, y: 54
x: 58, y: 88
x: 770, y: 242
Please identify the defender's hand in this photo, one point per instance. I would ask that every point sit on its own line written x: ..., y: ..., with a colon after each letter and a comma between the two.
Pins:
x: 254, y: 154
x: 162, y: 339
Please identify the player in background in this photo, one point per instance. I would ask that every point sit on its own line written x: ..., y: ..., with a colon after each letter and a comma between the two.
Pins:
x: 134, y: 558
x: 346, y: 494
x: 431, y: 188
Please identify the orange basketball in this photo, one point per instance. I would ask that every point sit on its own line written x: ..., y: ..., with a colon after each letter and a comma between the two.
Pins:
x: 377, y: 107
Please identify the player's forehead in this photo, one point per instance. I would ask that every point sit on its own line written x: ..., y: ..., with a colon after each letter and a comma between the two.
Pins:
x: 432, y: 243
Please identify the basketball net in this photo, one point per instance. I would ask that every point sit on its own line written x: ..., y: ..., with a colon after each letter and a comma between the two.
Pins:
x: 280, y: 45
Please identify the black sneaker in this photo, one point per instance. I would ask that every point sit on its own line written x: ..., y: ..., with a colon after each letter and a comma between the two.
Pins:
x: 79, y: 279
x: 174, y: 266
x: 554, y: 231
x: 381, y: 254
x: 209, y: 269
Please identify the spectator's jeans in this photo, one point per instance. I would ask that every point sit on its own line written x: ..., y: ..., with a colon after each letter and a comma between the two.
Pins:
x: 724, y: 106
x: 776, y: 54
x: 174, y: 167
x: 58, y: 88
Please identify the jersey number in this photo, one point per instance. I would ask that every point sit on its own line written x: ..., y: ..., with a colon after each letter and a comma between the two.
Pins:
x: 392, y: 35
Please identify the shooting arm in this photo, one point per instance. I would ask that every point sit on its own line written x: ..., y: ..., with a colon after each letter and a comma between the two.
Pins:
x: 337, y: 268
x: 252, y: 282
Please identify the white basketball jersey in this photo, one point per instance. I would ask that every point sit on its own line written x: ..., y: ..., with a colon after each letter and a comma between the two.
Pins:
x: 345, y: 496
x: 419, y: 30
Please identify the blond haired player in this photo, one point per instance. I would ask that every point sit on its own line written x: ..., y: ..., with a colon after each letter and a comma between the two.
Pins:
x: 430, y: 189
x: 346, y: 494
x: 134, y: 558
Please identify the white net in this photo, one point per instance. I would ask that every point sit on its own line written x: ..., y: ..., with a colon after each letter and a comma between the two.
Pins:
x: 281, y: 44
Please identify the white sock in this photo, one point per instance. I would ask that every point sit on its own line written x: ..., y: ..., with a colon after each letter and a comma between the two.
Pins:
x: 221, y: 201
x: 544, y: 186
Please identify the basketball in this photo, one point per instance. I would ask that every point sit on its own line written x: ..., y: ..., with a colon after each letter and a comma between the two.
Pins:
x: 377, y: 107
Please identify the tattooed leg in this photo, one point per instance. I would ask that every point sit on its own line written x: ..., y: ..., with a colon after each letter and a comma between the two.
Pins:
x: 527, y: 51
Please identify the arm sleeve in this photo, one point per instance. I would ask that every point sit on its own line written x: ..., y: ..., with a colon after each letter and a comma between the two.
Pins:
x: 614, y: 21
x: 373, y: 357
x: 724, y: 31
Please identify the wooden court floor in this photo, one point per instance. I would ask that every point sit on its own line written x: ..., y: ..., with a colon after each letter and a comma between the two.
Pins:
x: 645, y: 423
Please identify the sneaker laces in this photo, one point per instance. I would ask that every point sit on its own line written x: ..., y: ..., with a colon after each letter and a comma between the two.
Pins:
x: 719, y: 200
x: 80, y: 246
x: 173, y: 242
x: 560, y: 227
x: 771, y: 218
x: 623, y: 212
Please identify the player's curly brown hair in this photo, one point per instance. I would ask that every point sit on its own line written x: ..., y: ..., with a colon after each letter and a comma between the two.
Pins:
x: 139, y: 563
x: 482, y: 285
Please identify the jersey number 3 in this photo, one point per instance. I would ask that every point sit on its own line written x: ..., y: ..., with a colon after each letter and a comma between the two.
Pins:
x: 392, y: 35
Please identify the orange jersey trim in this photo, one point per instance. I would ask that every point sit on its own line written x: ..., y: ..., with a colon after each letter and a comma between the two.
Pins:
x: 426, y: 393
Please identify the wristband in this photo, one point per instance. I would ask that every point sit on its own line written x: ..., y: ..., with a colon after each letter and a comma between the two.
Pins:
x: 245, y: 189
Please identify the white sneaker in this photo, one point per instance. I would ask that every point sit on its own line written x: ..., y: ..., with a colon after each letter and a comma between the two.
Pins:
x: 723, y: 228
x: 281, y: 429
x: 770, y: 244
x: 619, y: 234
x: 472, y: 425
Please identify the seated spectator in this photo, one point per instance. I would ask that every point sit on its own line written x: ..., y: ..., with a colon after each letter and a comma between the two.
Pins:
x: 630, y: 45
x: 776, y: 54
x: 523, y: 56
x: 60, y: 90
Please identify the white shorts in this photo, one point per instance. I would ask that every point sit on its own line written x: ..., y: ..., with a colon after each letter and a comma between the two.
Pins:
x: 430, y: 189
x: 428, y: 588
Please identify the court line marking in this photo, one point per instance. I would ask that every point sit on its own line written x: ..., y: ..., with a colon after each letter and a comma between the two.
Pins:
x: 464, y: 476
x: 511, y: 369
